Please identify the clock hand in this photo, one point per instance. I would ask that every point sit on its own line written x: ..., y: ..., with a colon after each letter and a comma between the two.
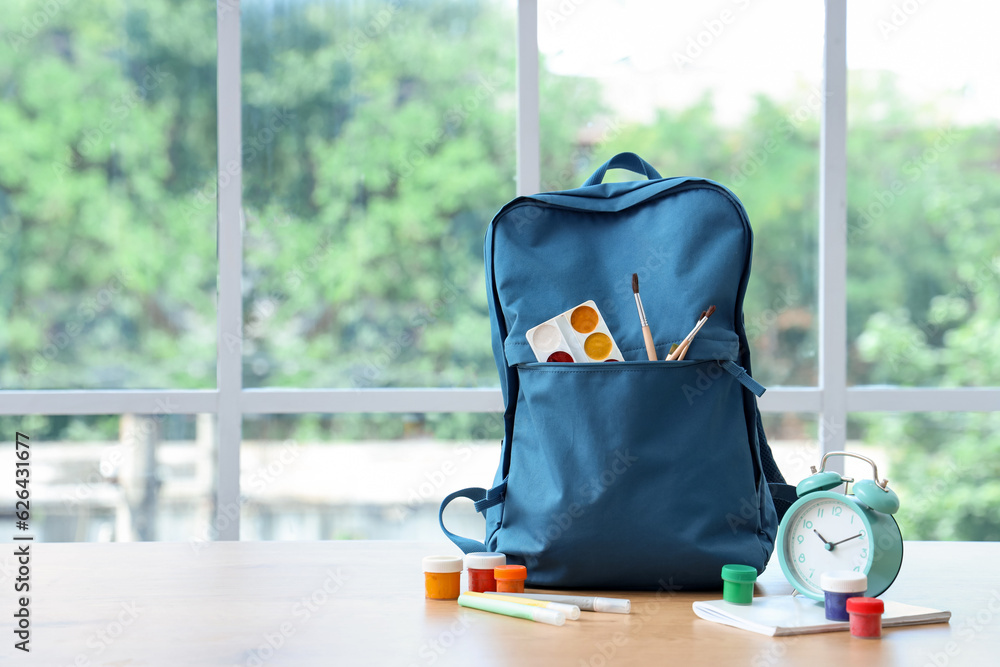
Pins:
x: 828, y: 545
x: 852, y: 537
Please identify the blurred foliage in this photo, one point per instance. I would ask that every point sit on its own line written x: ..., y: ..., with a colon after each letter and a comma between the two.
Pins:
x: 378, y: 141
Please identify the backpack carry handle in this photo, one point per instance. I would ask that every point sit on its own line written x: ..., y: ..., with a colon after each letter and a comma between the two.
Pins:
x: 629, y: 161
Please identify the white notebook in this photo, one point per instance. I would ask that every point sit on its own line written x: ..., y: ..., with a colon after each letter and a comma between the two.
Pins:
x: 784, y: 615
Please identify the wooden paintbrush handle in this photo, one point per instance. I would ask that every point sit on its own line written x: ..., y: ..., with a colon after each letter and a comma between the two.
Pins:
x: 650, y: 348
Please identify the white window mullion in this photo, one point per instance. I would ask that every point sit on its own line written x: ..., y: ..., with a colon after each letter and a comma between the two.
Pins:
x: 528, y: 149
x: 833, y: 233
x: 230, y: 265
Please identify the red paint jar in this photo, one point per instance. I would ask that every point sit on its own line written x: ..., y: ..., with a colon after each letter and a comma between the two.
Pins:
x: 480, y: 566
x: 866, y: 617
x: 510, y: 578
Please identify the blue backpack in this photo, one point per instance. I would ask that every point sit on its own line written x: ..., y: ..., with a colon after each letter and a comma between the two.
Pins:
x: 637, y: 474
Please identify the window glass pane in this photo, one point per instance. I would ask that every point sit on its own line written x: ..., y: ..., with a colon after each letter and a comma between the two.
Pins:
x: 116, y: 478
x: 723, y: 90
x: 378, y: 141
x: 107, y: 194
x: 923, y: 193
x: 945, y: 466
x: 794, y: 443
x: 315, y: 476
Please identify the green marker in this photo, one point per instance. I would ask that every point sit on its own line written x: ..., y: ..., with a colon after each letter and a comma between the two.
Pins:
x: 539, y: 614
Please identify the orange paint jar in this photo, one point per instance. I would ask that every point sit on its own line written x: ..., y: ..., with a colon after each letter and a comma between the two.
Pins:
x: 442, y: 577
x: 510, y: 578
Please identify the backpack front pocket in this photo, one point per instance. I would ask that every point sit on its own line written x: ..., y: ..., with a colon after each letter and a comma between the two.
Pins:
x: 632, y: 474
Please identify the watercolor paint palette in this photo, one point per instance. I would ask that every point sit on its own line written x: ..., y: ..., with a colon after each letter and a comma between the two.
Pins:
x: 578, y: 335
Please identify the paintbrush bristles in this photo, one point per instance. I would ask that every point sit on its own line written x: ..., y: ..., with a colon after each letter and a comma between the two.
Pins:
x: 711, y: 309
x: 635, y: 283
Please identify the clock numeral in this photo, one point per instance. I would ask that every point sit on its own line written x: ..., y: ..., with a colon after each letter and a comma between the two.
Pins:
x: 837, y: 511
x: 812, y: 571
x: 802, y: 558
x: 863, y: 534
x: 807, y: 524
x: 800, y: 539
x: 819, y: 513
x: 852, y: 518
x: 864, y: 553
x: 857, y: 568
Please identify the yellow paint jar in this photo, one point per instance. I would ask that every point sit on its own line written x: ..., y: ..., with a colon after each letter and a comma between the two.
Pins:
x: 442, y: 577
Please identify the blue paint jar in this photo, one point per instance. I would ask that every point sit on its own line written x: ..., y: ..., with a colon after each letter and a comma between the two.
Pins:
x: 838, y: 587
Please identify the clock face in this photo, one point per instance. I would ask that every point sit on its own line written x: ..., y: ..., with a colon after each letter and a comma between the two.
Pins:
x: 825, y: 534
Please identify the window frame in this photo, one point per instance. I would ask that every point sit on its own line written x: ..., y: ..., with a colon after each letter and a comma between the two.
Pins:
x: 832, y: 399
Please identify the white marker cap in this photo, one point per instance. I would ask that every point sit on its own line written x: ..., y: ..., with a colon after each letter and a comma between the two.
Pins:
x: 843, y: 581
x: 613, y: 605
x: 547, y: 615
x: 571, y: 610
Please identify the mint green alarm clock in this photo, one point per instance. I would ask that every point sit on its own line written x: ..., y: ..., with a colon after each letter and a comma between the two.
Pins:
x: 826, y: 530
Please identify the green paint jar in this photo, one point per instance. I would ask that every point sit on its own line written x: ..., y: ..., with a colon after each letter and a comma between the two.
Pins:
x: 737, y: 583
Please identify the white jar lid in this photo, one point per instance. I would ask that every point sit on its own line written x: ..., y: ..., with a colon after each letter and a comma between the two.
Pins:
x: 843, y: 581
x: 442, y: 564
x: 484, y: 560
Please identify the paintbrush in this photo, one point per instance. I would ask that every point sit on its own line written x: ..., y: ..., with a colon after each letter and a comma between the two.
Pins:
x: 682, y: 348
x: 646, y: 334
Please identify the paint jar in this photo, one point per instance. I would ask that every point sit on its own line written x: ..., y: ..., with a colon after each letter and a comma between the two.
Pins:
x: 480, y: 566
x: 442, y: 577
x: 510, y: 578
x: 838, y: 586
x: 866, y: 617
x: 737, y: 583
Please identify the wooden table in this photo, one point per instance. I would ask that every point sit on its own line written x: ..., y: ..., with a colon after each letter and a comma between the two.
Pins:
x: 362, y: 603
